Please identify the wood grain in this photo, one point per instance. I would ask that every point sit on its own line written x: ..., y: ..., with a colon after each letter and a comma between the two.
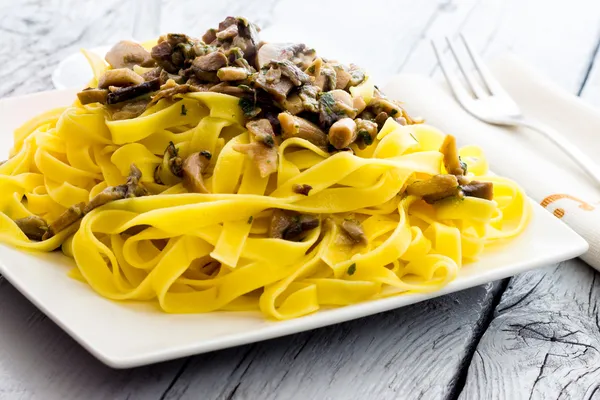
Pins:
x: 385, y: 356
x: 544, y: 341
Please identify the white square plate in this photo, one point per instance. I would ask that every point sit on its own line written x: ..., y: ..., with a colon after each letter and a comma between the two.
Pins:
x: 126, y: 335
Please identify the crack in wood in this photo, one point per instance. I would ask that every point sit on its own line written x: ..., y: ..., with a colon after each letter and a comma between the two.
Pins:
x: 501, y: 310
x: 540, y: 375
x: 175, y: 378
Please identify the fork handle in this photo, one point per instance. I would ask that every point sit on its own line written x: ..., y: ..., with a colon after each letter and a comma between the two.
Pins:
x: 580, y: 158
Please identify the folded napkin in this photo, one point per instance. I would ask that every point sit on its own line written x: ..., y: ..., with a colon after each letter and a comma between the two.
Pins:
x: 547, y: 175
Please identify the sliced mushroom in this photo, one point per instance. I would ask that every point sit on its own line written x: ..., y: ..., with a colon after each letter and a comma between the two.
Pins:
x: 366, y: 132
x: 451, y: 159
x: 277, y: 52
x: 92, y: 95
x: 308, y: 94
x: 210, y: 62
x: 357, y: 75
x: 289, y: 225
x: 168, y: 90
x: 175, y: 166
x: 131, y: 188
x: 262, y: 148
x: 228, y: 33
x: 342, y: 133
x: 293, y: 104
x: 436, y: 188
x: 210, y: 36
x: 279, y: 89
x: 126, y: 54
x: 232, y: 74
x: 384, y: 105
x: 162, y: 53
x: 482, y: 190
x: 343, y: 77
x: 335, y: 105
x: 64, y: 220
x: 119, y: 77
x: 129, y: 109
x: 295, y: 74
x: 193, y: 168
x: 152, y: 74
x: 131, y: 92
x: 327, y: 80
x: 354, y: 230
x: 303, y: 189
x: 33, y: 227
x: 226, y: 88
x: 292, y: 126
x: 381, y: 118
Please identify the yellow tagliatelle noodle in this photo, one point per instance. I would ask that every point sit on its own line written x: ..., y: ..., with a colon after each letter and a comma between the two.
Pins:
x: 69, y: 155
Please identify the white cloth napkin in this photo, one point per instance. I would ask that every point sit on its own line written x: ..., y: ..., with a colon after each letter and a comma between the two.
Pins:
x: 547, y: 175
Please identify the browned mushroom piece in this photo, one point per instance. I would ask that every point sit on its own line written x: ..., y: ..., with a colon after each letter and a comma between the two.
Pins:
x: 210, y: 36
x: 109, y: 194
x: 64, y: 220
x: 295, y: 52
x: 210, y: 62
x: 436, y: 188
x: 335, y: 105
x: 292, y: 126
x: 132, y: 188
x: 193, y: 168
x: 327, y: 79
x: 293, y: 104
x: 384, y: 105
x: 226, y: 88
x: 302, y: 189
x: 289, y: 225
x: 366, y: 132
x: 354, y: 230
x: 126, y: 54
x: 128, y: 109
x: 92, y: 95
x: 308, y: 94
x: 381, y: 118
x: 451, y: 159
x: 342, y: 133
x: 343, y: 77
x: 482, y: 190
x: 295, y: 74
x: 131, y: 92
x: 278, y: 87
x: 33, y: 227
x: 357, y: 75
x: 262, y: 148
x: 170, y: 89
x: 119, y: 77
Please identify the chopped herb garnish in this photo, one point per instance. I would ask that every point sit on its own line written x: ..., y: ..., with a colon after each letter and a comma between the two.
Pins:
x: 268, y: 161
x: 365, y: 137
x: 206, y: 154
x: 183, y: 110
x: 247, y: 106
x: 393, y: 112
x: 268, y: 140
x: 352, y: 269
x: 311, y: 69
x: 172, y: 150
x: 463, y: 165
x: 250, y: 219
x: 413, y: 136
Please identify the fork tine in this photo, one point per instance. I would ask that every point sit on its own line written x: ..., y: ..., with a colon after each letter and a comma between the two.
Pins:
x: 459, y: 91
x: 475, y: 87
x: 486, y: 75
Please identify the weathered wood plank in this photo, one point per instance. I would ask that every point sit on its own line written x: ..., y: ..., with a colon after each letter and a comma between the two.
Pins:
x: 544, y: 341
x: 38, y: 360
x: 385, y: 356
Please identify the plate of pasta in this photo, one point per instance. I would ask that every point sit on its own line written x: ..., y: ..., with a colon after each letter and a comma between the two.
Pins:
x: 202, y: 193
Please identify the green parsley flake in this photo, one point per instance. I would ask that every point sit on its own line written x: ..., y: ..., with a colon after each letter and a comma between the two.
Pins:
x: 250, y: 219
x: 413, y: 136
x: 183, y: 110
x: 352, y: 269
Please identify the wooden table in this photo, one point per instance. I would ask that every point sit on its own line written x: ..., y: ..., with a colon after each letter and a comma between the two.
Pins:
x: 535, y: 336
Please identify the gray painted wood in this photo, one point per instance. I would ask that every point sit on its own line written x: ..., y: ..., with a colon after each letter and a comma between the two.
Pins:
x: 421, y: 351
x: 544, y: 340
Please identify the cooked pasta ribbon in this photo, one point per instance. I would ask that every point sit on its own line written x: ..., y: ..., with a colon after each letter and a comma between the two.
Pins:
x: 202, y: 252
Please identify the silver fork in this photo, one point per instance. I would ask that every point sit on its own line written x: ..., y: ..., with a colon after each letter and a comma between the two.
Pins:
x: 493, y: 105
